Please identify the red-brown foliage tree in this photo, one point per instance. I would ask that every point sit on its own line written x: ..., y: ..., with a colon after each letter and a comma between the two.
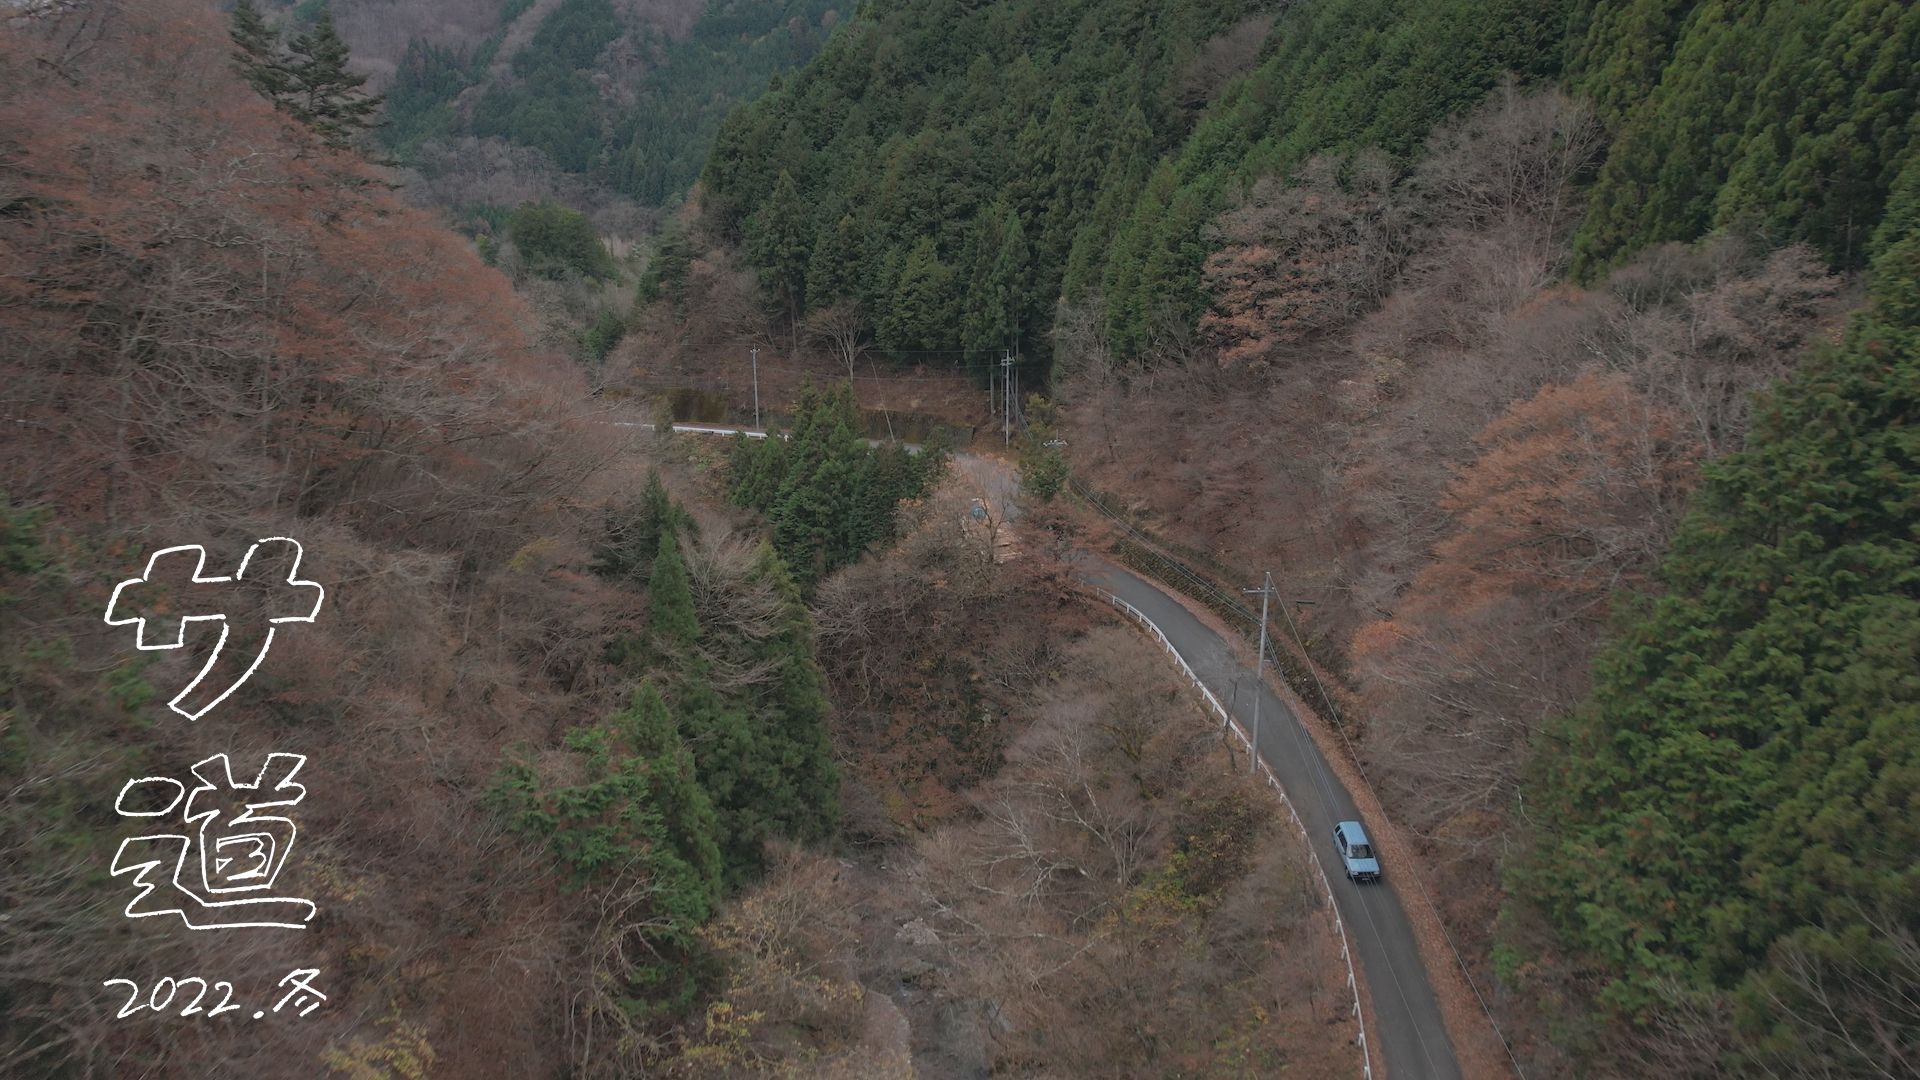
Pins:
x: 1570, y: 500
x: 1307, y: 254
x: 194, y: 287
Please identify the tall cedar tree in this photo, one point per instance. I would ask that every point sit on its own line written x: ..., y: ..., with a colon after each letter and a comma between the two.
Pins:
x: 670, y: 598
x: 780, y: 241
x: 921, y: 314
x: 833, y: 273
x: 320, y: 92
x: 632, y: 541
x: 685, y: 809
x: 735, y: 767
x: 798, y: 721
x: 667, y: 273
x: 257, y: 51
x: 998, y: 293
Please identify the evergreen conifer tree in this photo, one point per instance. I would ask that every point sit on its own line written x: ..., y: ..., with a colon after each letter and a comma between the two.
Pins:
x: 814, y: 518
x: 1043, y: 468
x: 1895, y: 282
x: 756, y: 470
x: 634, y: 815
x: 257, y: 52
x: 833, y: 274
x: 632, y: 540
x: 828, y: 496
x: 799, y: 720
x: 986, y: 319
x: 320, y: 91
x: 780, y: 242
x: 667, y: 273
x: 734, y: 770
x: 675, y: 628
x: 685, y: 809
x: 1013, y: 275
x: 920, y: 315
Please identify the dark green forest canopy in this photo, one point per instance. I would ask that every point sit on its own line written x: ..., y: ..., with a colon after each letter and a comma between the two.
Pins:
x: 686, y: 787
x: 1734, y: 816
x: 924, y: 124
x: 829, y: 497
x: 1792, y: 119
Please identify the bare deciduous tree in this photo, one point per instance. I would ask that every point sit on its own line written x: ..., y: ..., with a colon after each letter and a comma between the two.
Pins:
x: 843, y: 329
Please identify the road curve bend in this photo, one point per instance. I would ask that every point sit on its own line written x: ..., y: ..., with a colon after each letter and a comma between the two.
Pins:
x: 1410, y: 1036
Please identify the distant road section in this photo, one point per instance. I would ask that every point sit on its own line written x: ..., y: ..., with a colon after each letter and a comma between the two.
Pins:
x: 751, y: 433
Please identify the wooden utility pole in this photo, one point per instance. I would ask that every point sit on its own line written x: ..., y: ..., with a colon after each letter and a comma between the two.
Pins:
x: 754, y: 353
x: 1006, y: 383
x: 1259, y: 663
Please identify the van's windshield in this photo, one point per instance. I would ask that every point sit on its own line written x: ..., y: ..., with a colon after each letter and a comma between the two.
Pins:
x: 1362, y: 851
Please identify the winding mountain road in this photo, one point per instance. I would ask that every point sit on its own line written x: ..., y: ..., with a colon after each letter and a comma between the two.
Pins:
x: 1409, y: 1036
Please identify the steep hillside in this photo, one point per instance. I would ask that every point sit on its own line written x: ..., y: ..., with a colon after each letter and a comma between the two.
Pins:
x: 219, y: 329
x: 976, y: 163
x: 625, y: 94
x: 564, y: 786
x: 1557, y: 357
x: 1726, y: 830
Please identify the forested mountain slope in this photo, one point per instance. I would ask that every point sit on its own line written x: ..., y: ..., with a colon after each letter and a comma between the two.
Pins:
x: 964, y: 166
x: 1526, y: 342
x: 577, y: 794
x: 216, y: 327
x: 1559, y: 358
x: 1727, y: 830
x: 624, y: 94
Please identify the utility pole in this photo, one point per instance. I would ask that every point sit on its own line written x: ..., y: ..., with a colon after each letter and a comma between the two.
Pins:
x: 755, y: 354
x: 1266, y: 591
x: 1006, y: 382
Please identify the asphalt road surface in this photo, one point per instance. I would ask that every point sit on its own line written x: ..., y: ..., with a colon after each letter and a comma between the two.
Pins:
x: 1410, y: 1036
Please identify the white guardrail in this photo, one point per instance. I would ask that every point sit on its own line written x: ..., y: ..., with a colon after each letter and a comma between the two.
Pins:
x: 1213, y: 704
